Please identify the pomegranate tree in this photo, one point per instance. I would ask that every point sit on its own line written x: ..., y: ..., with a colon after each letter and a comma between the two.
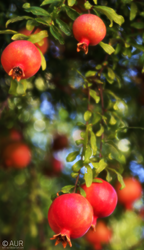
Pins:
x: 21, y: 59
x: 131, y: 192
x: 16, y: 155
x: 43, y: 45
x: 100, y: 236
x: 88, y: 29
x: 103, y: 198
x: 69, y: 216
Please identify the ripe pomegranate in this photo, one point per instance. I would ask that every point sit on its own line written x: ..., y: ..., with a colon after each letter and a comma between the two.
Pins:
x: 54, y: 167
x: 44, y: 42
x: 16, y: 155
x: 69, y: 216
x: 131, y: 192
x: 100, y: 236
x: 21, y: 59
x: 102, y: 197
x: 88, y: 29
x: 60, y: 142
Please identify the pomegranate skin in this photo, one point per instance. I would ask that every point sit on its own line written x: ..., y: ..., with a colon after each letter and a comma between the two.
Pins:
x: 60, y: 142
x: 100, y: 236
x: 131, y: 192
x: 88, y: 29
x: 69, y: 216
x: 102, y: 197
x: 16, y: 155
x: 44, y: 46
x: 21, y: 59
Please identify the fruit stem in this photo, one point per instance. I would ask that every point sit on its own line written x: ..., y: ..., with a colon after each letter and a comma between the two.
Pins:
x: 16, y: 73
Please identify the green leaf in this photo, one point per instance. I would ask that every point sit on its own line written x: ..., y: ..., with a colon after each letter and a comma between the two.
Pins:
x: 82, y: 192
x: 111, y: 73
x: 66, y: 189
x: 72, y: 156
x: 107, y: 48
x: 88, y: 154
x: 111, y: 147
x: 30, y: 24
x: 138, y: 25
x: 57, y: 35
x: 18, y: 88
x: 93, y: 142
x: 111, y: 15
x: 77, y: 166
x: 112, y: 120
x: 101, y: 166
x: 87, y: 115
x: 96, y: 118
x: 8, y: 32
x: 45, y: 2
x: 74, y: 175
x: 35, y: 38
x: 26, y: 5
x: 120, y: 178
x: 71, y: 2
x: 108, y: 176
x: 87, y: 5
x: 19, y: 36
x: 133, y: 11
x: 88, y: 176
x: 64, y: 27
x: 36, y: 10
x: 82, y: 134
x: 43, y: 61
x: 90, y: 73
x: 95, y: 1
x: 71, y: 13
x: 13, y: 87
x: 101, y: 131
x: 79, y: 142
x: 80, y: 124
x: 97, y: 180
x: 94, y: 95
x: 45, y: 20
x: 16, y: 19
x: 98, y: 67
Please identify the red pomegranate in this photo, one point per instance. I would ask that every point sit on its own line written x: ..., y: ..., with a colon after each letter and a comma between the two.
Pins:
x: 16, y: 155
x: 102, y: 197
x: 21, y: 59
x: 43, y: 46
x: 88, y: 29
x: 69, y: 216
x: 60, y: 142
x: 52, y: 167
x: 131, y: 192
x: 100, y: 236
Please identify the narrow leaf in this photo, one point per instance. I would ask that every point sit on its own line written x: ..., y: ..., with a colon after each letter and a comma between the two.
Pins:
x: 93, y: 142
x: 87, y: 5
x: 87, y: 115
x: 57, y: 35
x: 8, y: 32
x: 133, y: 11
x: 97, y: 180
x: 111, y: 73
x: 94, y: 95
x: 100, y: 132
x: 82, y: 192
x: 19, y: 36
x: 66, y: 189
x: 112, y: 120
x: 37, y: 11
x: 71, y: 2
x: 43, y: 62
x: 77, y: 166
x: 107, y: 48
x: 72, y: 156
x: 88, y: 176
x: 49, y: 1
x: 64, y: 27
x: 71, y: 13
x: 102, y: 165
x: 16, y: 19
x: 88, y: 153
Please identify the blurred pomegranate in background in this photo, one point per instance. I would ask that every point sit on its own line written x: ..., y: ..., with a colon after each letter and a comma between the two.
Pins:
x: 42, y: 45
x: 60, y: 142
x: 131, y: 192
x: 101, y: 235
x: 15, y: 135
x: 52, y: 167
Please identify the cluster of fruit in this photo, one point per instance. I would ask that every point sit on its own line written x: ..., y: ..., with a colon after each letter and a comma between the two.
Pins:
x: 21, y: 59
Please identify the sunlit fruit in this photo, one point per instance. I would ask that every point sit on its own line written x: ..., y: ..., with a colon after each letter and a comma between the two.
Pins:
x: 100, y: 236
x: 21, y: 59
x: 42, y: 45
x: 103, y: 198
x: 132, y: 191
x: 88, y: 29
x: 16, y: 155
x: 69, y: 216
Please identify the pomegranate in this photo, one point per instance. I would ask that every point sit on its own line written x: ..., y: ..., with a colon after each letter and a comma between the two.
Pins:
x: 60, y: 142
x: 100, y: 236
x: 54, y: 167
x: 16, y: 155
x: 131, y: 192
x: 21, y: 59
x: 88, y: 29
x: 15, y: 135
x: 102, y: 197
x: 43, y: 46
x: 69, y: 216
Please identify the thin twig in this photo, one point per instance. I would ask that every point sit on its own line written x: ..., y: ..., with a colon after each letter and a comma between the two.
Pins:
x: 102, y: 105
x: 76, y: 182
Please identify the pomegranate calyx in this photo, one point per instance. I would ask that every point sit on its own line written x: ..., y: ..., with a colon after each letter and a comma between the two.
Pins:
x: 16, y: 73
x: 82, y: 46
x: 64, y: 239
